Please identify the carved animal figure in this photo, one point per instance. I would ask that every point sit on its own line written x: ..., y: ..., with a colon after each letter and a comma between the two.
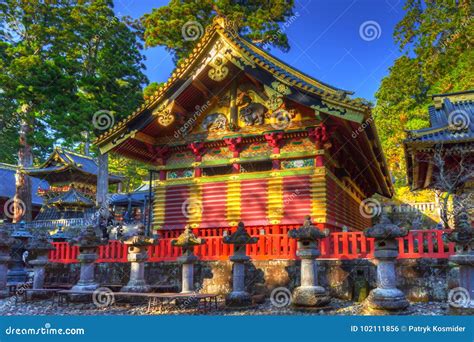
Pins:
x: 250, y: 112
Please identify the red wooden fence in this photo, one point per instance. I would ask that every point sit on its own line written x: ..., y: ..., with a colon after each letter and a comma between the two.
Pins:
x: 272, y: 244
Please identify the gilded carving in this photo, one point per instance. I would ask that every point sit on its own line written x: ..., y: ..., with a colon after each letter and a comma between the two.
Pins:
x: 219, y: 70
x: 251, y: 112
x: 164, y: 114
x: 214, y: 122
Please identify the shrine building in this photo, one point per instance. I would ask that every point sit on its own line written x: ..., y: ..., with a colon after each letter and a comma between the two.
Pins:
x: 441, y: 157
x: 237, y: 135
x: 71, y: 180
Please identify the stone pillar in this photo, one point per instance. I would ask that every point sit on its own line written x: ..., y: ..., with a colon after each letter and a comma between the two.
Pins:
x: 239, y: 297
x: 88, y: 243
x: 5, y: 243
x: 386, y: 298
x: 41, y: 247
x: 138, y: 255
x: 187, y: 241
x: 17, y: 273
x: 309, y: 293
x: 461, y: 299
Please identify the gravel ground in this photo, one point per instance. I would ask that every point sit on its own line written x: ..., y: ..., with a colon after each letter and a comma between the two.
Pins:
x: 337, y: 307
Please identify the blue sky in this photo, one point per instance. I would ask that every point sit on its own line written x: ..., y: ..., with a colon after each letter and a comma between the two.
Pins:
x: 346, y: 43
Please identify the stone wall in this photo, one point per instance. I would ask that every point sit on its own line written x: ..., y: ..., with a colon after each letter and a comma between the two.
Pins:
x: 420, y: 279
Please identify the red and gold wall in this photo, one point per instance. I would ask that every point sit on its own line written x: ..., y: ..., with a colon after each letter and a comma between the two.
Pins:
x: 260, y: 198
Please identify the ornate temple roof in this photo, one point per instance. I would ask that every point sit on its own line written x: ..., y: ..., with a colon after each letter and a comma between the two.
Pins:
x: 71, y: 198
x: 451, y: 120
x: 451, y: 129
x: 63, y: 165
x: 7, y: 183
x: 253, y: 55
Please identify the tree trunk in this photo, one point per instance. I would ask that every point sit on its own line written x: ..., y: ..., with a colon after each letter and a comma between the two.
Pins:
x: 22, y: 208
x: 103, y: 183
x: 85, y: 135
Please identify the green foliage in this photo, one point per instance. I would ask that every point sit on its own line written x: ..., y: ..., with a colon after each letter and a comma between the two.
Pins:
x: 134, y: 172
x: 257, y: 20
x: 62, y: 62
x: 436, y: 37
x: 150, y: 89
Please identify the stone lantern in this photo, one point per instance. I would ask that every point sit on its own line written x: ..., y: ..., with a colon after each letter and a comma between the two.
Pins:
x: 88, y: 243
x: 40, y: 246
x: 461, y: 299
x: 309, y: 293
x: 5, y: 244
x: 137, y: 255
x: 385, y: 298
x: 187, y: 240
x: 240, y: 239
x: 17, y: 273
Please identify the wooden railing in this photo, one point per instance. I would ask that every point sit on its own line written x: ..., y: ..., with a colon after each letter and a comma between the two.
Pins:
x: 410, y: 207
x: 340, y: 246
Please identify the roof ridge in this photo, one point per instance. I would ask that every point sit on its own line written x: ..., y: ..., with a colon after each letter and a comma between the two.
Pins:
x: 304, y: 75
x: 80, y: 155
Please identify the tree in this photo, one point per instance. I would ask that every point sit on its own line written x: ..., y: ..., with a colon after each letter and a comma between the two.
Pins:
x: 64, y: 64
x: 32, y: 81
x: 453, y: 171
x: 436, y: 38
x: 180, y: 24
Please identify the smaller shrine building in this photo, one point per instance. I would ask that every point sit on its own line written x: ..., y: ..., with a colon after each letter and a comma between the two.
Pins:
x: 72, y: 184
x: 441, y: 156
